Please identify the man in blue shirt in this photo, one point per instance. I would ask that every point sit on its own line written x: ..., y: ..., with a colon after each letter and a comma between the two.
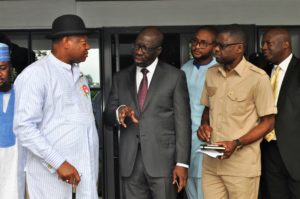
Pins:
x: 12, y: 176
x: 202, y: 45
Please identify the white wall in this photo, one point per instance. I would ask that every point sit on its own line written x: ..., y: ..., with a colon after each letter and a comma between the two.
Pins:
x: 33, y: 14
x: 40, y: 13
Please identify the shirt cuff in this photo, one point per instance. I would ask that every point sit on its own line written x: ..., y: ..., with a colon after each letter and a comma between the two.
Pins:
x: 117, y: 113
x: 55, y: 160
x: 182, y: 165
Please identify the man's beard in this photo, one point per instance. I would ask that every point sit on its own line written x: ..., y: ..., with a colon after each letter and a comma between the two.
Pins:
x: 203, y: 58
x: 5, y: 87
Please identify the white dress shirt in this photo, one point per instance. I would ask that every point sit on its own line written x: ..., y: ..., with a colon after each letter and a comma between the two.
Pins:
x: 5, y: 101
x: 283, y: 67
x: 139, y: 74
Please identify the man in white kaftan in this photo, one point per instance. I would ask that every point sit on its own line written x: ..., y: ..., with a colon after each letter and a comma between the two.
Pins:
x: 54, y: 118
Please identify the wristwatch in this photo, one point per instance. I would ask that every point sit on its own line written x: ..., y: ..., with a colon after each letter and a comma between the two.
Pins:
x: 238, y: 144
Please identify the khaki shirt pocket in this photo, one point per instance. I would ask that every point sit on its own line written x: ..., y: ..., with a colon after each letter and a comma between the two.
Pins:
x: 238, y: 103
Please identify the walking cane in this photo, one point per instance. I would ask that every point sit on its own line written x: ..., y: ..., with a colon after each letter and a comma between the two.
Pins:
x: 73, y: 190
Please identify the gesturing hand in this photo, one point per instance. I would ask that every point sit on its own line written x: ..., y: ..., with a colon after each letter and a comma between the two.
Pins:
x: 180, y: 177
x: 126, y: 111
x: 68, y: 173
x: 204, y: 132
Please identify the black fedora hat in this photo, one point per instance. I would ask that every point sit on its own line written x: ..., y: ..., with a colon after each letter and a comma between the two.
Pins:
x: 67, y: 25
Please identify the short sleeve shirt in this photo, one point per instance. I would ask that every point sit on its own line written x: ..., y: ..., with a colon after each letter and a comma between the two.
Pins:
x: 236, y: 101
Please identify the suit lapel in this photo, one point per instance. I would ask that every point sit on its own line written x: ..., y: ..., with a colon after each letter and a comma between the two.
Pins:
x: 154, y: 84
x: 285, y: 83
x: 132, y: 86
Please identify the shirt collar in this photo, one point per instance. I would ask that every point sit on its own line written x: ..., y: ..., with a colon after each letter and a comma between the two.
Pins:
x: 200, y: 65
x: 74, y: 69
x: 239, y: 69
x: 285, y: 63
x: 151, y: 67
x: 59, y: 62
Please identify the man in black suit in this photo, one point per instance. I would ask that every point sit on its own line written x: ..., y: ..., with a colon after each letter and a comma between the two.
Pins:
x: 152, y: 108
x: 281, y: 159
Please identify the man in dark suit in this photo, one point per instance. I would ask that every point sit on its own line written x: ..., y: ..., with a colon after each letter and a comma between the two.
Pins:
x: 152, y: 108
x: 281, y: 159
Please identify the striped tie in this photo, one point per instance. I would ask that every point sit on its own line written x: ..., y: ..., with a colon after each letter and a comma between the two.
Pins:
x: 274, y: 82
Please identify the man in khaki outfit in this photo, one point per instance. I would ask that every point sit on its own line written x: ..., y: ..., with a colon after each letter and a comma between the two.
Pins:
x: 239, y: 111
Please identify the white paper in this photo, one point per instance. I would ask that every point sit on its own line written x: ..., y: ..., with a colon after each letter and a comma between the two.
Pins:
x: 211, y: 153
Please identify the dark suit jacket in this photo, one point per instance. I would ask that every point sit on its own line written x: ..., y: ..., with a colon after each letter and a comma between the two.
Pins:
x: 164, y: 128
x: 287, y: 123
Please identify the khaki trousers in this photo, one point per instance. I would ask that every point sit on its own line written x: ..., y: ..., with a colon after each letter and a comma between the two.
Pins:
x: 229, y: 187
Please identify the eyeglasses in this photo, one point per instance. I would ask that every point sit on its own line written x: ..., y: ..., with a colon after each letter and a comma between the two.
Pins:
x: 222, y: 46
x: 201, y: 43
x: 144, y: 48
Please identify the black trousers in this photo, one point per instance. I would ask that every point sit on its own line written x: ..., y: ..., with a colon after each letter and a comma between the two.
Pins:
x: 276, y: 181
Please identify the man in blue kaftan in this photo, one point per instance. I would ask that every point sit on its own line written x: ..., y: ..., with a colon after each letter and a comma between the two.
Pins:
x: 12, y: 176
x: 195, y: 69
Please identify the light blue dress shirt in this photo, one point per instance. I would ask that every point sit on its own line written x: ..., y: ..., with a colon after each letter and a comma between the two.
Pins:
x: 54, y: 121
x: 195, y: 80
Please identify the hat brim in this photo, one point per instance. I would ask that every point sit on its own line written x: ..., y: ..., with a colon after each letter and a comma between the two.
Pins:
x: 68, y: 33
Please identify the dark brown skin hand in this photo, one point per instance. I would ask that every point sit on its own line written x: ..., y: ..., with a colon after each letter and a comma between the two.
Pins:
x: 68, y: 173
x: 180, y: 177
x: 126, y: 111
x: 204, y: 133
x: 230, y: 147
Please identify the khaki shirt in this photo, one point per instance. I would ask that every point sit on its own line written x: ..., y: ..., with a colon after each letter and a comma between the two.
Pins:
x: 236, y: 101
